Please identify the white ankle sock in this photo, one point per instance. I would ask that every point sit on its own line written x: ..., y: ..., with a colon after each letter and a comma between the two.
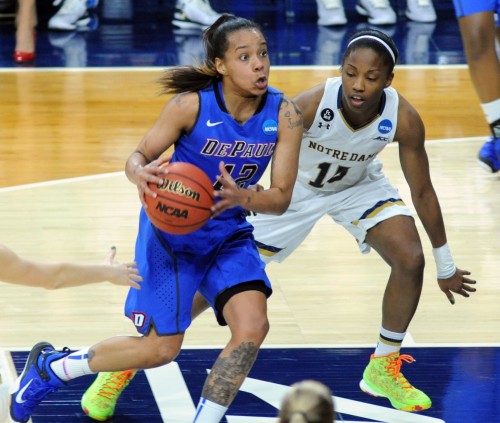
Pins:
x: 209, y: 412
x: 72, y: 366
x: 491, y: 110
x: 389, y: 342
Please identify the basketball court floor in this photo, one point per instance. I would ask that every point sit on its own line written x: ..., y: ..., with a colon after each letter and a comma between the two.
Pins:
x: 70, y: 120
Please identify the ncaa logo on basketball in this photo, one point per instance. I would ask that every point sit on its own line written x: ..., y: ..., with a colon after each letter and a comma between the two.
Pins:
x: 385, y: 126
x: 270, y: 127
x: 172, y: 211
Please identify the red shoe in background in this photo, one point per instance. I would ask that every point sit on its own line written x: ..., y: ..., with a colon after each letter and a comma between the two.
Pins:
x: 23, y: 57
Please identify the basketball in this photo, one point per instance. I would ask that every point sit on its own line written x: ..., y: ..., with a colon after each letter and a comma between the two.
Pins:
x: 183, y: 200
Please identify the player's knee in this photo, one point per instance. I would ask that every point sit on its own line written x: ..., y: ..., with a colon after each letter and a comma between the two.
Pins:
x: 161, y: 352
x: 477, y: 52
x: 164, y: 354
x: 253, y: 330
x: 259, y: 329
x: 479, y: 44
x: 412, y: 261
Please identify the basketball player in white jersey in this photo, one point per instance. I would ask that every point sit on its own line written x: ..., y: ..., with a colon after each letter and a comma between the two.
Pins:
x: 348, y: 120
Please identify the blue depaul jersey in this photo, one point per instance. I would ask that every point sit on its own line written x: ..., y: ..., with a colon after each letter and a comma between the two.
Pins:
x: 245, y: 150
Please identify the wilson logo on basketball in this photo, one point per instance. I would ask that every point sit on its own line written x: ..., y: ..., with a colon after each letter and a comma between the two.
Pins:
x: 172, y: 211
x: 177, y: 187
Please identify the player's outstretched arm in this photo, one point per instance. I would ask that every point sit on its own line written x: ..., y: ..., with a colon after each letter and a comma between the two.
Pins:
x: 18, y: 270
x: 415, y: 166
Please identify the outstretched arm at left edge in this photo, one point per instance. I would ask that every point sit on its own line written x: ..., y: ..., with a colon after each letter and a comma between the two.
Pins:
x: 20, y: 271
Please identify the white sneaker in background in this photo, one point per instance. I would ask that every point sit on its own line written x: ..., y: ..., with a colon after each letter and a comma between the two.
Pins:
x: 194, y: 14
x: 331, y: 12
x: 379, y: 12
x: 73, y: 47
x: 190, y: 50
x: 72, y: 14
x: 117, y: 9
x: 329, y: 46
x: 417, y: 42
x: 420, y: 11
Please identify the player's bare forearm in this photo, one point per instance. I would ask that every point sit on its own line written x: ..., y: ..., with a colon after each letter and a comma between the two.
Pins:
x: 429, y: 213
x: 21, y: 271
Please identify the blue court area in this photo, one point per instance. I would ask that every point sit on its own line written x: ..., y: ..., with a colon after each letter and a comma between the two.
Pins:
x: 461, y: 381
x: 137, y: 33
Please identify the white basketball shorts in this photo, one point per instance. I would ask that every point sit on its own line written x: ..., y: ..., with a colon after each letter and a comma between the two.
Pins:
x: 357, y: 209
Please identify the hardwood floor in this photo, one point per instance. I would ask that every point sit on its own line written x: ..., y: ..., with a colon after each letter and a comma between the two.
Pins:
x: 68, y: 134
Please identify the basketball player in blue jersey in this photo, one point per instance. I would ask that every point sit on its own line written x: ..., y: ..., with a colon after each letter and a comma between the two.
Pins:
x: 348, y: 121
x: 476, y: 19
x: 225, y: 119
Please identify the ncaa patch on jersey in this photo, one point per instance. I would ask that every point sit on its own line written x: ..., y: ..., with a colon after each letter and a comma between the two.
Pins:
x: 385, y: 126
x: 270, y: 127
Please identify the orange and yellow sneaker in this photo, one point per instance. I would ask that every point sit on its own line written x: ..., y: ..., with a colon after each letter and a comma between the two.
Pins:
x: 383, y: 378
x: 99, y: 401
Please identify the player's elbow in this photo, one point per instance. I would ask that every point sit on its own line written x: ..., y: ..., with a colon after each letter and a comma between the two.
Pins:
x: 283, y: 207
x: 279, y: 202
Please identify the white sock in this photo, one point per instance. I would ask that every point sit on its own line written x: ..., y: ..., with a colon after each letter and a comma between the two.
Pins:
x: 388, y: 342
x: 72, y: 366
x: 209, y: 412
x: 491, y: 110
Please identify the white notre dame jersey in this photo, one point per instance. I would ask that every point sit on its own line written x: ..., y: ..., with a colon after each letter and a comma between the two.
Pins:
x: 335, y: 156
x: 339, y: 176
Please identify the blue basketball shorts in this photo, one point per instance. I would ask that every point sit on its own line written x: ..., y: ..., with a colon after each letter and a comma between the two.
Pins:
x: 172, y: 276
x: 469, y: 7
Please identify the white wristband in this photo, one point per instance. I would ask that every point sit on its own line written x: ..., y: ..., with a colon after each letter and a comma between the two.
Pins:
x: 444, y: 262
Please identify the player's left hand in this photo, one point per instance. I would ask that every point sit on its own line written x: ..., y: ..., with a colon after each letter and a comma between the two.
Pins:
x: 123, y: 273
x: 458, y: 283
x: 230, y: 195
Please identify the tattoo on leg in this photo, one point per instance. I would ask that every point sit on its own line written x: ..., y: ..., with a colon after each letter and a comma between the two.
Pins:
x: 228, y: 373
x: 91, y: 354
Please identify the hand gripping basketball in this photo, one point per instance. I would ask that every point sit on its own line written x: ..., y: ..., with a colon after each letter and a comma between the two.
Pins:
x: 184, y: 199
